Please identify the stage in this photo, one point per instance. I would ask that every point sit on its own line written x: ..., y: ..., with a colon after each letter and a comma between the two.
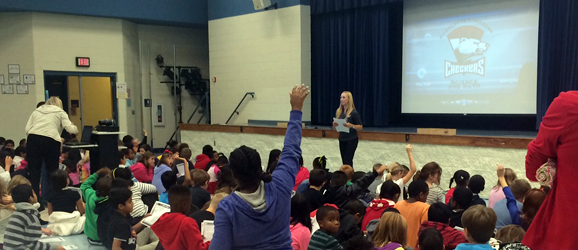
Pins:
x: 477, y: 152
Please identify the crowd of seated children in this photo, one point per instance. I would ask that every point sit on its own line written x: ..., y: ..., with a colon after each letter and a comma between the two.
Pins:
x: 175, y: 230
x: 519, y: 188
x: 391, y: 232
x: 318, y: 163
x: 214, y: 173
x: 414, y: 209
x: 479, y: 223
x: 532, y: 202
x: 261, y: 204
x: 23, y: 230
x: 438, y: 219
x: 431, y: 239
x: 431, y: 173
x: 143, y: 170
x: 476, y: 185
x: 209, y: 213
x: 328, y: 220
x: 199, y: 190
x: 400, y: 175
x: 165, y: 164
x: 65, y: 206
x: 460, y: 202
x: 313, y: 195
x: 462, y: 178
x: 300, y: 224
x: 339, y: 193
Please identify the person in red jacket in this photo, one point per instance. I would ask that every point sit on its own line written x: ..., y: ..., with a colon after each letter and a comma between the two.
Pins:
x: 439, y: 217
x: 389, y: 193
x: 203, y: 159
x: 175, y: 230
x: 556, y: 139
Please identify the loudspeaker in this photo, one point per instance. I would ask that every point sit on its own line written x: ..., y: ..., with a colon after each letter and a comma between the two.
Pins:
x: 261, y: 4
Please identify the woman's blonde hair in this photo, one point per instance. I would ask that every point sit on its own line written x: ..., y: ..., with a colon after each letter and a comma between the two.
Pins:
x: 394, y: 169
x: 16, y: 181
x: 54, y: 101
x: 392, y: 227
x: 350, y: 106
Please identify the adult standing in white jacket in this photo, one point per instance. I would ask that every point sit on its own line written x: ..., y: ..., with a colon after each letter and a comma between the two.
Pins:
x: 43, y: 143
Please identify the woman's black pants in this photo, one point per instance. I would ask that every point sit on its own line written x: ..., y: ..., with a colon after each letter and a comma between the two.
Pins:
x: 347, y: 149
x: 42, y: 154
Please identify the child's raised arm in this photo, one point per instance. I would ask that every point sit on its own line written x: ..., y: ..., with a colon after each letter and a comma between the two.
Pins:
x: 288, y: 165
x: 188, y: 182
x: 412, y: 167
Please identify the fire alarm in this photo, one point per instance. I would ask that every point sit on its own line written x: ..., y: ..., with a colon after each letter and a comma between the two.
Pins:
x: 214, y: 79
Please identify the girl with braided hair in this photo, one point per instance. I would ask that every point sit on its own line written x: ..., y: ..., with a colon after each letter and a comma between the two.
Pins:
x: 257, y: 214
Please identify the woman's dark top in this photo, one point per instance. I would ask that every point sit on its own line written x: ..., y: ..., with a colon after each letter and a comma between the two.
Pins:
x: 354, y: 119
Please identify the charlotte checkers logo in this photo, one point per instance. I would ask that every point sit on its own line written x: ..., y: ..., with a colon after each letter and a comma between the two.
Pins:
x: 466, y: 42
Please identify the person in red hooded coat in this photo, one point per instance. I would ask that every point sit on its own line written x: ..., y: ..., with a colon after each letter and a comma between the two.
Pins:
x: 557, y: 139
x: 203, y: 159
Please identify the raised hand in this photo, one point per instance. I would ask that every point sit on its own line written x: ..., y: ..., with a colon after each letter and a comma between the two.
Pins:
x: 409, y: 148
x: 297, y: 96
x: 144, y: 132
x: 8, y: 163
x: 501, y: 171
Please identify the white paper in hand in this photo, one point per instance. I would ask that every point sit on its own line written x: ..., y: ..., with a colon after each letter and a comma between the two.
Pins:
x: 158, y: 210
x: 181, y: 169
x: 341, y: 125
x: 207, y: 230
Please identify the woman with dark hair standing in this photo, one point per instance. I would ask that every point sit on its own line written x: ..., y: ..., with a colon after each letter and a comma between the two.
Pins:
x: 257, y: 214
x: 43, y: 141
x: 348, y: 141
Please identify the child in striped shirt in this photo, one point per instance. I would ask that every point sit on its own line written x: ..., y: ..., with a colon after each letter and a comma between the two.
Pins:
x: 23, y: 230
x: 328, y: 220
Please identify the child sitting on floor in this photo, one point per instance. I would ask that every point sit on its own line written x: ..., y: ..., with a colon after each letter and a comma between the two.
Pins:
x: 387, y: 196
x: 102, y: 183
x: 23, y: 230
x: 199, y: 191
x: 65, y: 206
x: 510, y: 238
x: 479, y: 224
x: 138, y: 189
x: 175, y: 230
x: 431, y: 239
x: 169, y: 179
x: 414, y: 209
x: 165, y: 164
x: 214, y: 172
x: 438, y: 218
x: 460, y: 202
x: 328, y: 220
x: 391, y: 232
x: 476, y: 185
x: 462, y: 178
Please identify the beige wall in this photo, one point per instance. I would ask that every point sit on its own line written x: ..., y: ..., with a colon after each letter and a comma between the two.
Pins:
x: 266, y: 52
x: 42, y: 41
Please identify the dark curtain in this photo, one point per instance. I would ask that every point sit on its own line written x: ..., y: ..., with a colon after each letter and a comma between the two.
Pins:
x: 557, y: 52
x: 355, y: 46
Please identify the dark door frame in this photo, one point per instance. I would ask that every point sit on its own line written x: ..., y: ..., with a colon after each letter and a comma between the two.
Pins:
x: 85, y: 74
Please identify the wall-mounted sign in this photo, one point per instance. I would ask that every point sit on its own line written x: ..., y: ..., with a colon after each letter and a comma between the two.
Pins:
x: 83, y: 62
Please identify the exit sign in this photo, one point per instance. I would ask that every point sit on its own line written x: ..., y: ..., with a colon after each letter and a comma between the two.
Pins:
x: 83, y: 62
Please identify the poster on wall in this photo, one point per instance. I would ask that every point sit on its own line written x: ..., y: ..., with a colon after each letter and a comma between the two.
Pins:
x: 14, y: 79
x: 29, y: 79
x: 7, y: 89
x: 1, y: 79
x: 22, y: 89
x: 121, y: 90
x: 13, y: 68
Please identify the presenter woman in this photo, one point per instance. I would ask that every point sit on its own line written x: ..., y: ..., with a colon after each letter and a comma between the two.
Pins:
x: 348, y: 141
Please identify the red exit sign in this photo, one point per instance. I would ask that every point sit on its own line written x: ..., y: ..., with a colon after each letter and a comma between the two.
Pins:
x: 83, y: 62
